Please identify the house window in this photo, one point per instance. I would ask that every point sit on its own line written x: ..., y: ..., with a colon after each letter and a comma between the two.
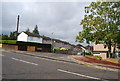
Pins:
x: 31, y: 38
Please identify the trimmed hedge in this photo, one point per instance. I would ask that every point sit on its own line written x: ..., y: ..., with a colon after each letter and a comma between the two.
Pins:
x: 8, y: 41
x: 88, y: 54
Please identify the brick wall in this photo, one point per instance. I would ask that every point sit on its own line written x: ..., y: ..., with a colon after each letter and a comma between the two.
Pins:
x: 10, y: 47
x: 31, y: 48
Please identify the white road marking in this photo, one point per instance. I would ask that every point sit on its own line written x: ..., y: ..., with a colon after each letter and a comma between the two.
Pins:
x: 78, y: 74
x: 24, y: 61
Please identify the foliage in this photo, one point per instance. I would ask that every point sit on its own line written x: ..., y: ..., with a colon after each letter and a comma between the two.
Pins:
x: 4, y: 37
x: 101, y: 24
x: 28, y: 30
x: 94, y: 57
x: 97, y: 57
x: 13, y: 35
x: 8, y: 41
x: 35, y: 31
x: 63, y: 49
x: 88, y: 54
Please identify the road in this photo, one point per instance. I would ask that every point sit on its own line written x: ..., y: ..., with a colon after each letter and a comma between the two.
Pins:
x: 21, y: 66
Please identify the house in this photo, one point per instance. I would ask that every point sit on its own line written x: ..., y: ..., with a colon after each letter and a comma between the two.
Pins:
x: 32, y: 42
x: 29, y: 37
x: 102, y: 50
x: 88, y: 48
x: 55, y: 43
x: 76, y: 49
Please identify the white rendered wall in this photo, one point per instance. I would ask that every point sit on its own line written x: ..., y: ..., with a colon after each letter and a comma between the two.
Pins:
x: 34, y: 39
x: 22, y: 37
x: 100, y: 47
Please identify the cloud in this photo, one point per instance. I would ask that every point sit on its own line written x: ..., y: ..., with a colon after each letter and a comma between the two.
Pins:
x: 62, y: 18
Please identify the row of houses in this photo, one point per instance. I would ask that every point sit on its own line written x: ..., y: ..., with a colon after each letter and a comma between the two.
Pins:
x: 55, y: 43
x: 96, y: 49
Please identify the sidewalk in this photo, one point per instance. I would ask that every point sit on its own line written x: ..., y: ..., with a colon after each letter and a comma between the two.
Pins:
x: 101, y: 64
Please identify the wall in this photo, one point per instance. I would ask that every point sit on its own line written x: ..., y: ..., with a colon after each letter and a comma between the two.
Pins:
x: 57, y: 44
x: 47, y: 41
x: 10, y: 47
x: 99, y: 47
x: 22, y: 37
x: 31, y: 48
x: 34, y: 39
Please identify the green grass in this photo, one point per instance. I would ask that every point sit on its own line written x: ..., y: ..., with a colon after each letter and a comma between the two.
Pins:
x: 8, y: 41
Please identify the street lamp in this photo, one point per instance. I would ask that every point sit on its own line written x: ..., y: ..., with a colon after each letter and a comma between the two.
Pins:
x: 52, y: 42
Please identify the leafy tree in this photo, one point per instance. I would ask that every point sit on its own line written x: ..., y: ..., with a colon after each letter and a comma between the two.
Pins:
x: 35, y: 31
x: 4, y: 37
x: 101, y: 24
x: 13, y: 35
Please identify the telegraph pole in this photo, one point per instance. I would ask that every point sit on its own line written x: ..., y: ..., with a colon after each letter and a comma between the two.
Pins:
x: 17, y: 25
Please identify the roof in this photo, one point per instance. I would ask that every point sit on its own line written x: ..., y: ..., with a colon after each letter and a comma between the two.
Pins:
x: 31, y: 34
x: 45, y: 37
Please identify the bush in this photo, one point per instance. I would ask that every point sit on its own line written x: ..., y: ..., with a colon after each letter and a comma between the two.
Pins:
x: 88, y: 54
x: 8, y: 41
x: 98, y: 57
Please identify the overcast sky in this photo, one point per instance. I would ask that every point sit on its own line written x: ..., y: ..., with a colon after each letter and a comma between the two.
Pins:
x: 60, y: 18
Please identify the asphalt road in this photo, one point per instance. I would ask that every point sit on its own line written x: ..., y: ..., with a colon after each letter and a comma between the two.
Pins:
x: 21, y: 66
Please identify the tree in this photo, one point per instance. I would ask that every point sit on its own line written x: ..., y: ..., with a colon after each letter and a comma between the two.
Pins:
x: 13, y: 35
x: 35, y: 31
x: 28, y: 30
x: 101, y: 24
x: 4, y: 37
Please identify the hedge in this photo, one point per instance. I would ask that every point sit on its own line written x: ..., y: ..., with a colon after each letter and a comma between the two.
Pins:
x: 8, y: 41
x: 88, y: 54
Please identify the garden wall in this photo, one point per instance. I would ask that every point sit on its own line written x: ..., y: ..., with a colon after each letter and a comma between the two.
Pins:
x: 9, y: 46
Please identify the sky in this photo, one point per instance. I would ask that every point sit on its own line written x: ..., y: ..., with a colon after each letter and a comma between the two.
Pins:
x: 59, y: 20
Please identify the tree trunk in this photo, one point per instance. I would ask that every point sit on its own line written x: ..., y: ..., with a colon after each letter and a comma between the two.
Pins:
x: 109, y: 50
x: 114, y: 50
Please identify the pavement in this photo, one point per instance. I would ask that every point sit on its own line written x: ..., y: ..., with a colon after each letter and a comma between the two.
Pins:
x: 77, y: 59
x: 100, y: 64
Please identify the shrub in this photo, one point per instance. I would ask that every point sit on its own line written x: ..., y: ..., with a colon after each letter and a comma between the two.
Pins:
x: 8, y: 41
x: 88, y: 54
x: 98, y: 57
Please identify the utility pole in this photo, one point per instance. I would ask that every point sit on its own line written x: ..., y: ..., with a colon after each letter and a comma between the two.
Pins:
x: 17, y: 26
x: 52, y: 43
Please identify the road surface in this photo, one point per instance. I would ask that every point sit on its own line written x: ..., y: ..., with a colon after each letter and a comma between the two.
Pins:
x: 21, y: 66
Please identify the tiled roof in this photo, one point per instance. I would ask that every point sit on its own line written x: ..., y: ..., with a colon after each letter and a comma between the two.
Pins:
x: 45, y: 37
x: 31, y: 34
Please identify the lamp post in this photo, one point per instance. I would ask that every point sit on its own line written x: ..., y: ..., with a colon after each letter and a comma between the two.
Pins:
x: 17, y: 25
x: 52, y: 42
